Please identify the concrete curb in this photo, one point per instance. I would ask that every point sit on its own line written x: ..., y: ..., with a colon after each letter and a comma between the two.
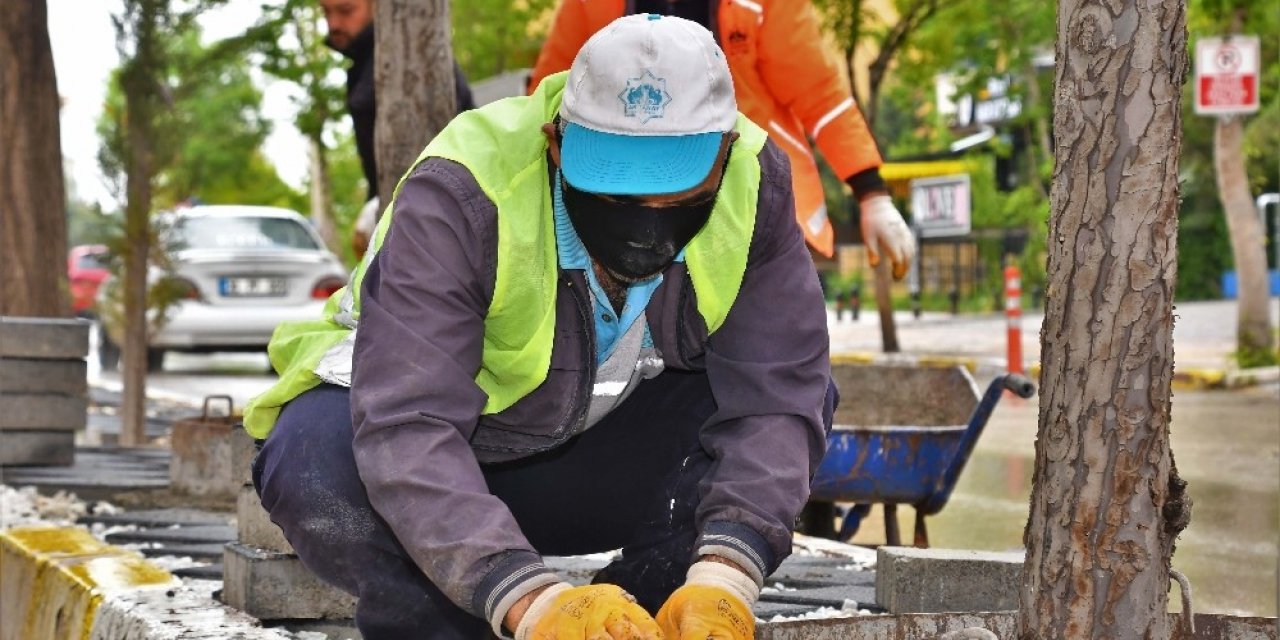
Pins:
x: 1189, y: 379
x: 63, y: 583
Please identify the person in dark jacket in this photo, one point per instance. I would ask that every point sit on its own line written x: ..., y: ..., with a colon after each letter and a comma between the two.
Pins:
x: 566, y: 339
x: 350, y: 25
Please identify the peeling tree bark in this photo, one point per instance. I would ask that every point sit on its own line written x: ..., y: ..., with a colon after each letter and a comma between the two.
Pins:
x: 1107, y: 503
x: 32, y: 197
x: 413, y: 76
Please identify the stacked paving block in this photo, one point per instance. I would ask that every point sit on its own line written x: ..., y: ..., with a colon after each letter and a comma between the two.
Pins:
x: 43, y: 390
x: 261, y: 574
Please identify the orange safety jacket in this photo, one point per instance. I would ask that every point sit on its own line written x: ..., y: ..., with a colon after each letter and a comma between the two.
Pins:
x: 785, y: 80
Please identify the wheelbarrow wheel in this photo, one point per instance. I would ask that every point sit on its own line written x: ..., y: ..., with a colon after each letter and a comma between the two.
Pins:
x: 818, y: 519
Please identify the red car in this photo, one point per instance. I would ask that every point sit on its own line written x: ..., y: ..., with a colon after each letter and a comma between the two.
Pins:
x: 85, y: 272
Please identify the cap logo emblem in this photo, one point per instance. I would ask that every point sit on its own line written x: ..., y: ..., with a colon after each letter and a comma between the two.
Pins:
x: 645, y: 97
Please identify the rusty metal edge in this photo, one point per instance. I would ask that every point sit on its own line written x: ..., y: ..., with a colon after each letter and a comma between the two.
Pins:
x: 927, y: 626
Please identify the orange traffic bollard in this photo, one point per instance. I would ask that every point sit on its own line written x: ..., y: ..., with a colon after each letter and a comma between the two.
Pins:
x: 1013, y: 315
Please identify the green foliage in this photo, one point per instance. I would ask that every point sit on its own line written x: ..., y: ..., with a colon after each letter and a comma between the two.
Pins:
x: 492, y: 36
x: 162, y: 287
x: 87, y: 223
x: 208, y: 138
x: 290, y: 45
x: 979, y: 39
x: 346, y: 181
x: 1204, y: 245
x: 1249, y: 358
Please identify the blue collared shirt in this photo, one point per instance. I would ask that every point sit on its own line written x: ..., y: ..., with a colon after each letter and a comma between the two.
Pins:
x: 573, y: 255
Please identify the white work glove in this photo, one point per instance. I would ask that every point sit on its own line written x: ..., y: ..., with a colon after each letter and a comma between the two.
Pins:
x: 884, y: 229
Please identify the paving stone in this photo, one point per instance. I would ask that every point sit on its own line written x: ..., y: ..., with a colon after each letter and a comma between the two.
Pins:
x: 43, y: 411
x: 179, y: 535
x: 254, y: 526
x: 45, y: 338
x: 766, y: 610
x: 820, y: 574
x: 201, y: 572
x: 44, y: 448
x: 824, y: 596
x: 187, y: 611
x: 910, y: 580
x: 26, y: 375
x: 275, y: 586
x: 97, y: 473
x: 205, y: 552
x: 159, y: 518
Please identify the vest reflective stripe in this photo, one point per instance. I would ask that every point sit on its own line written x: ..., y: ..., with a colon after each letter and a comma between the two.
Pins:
x: 503, y: 147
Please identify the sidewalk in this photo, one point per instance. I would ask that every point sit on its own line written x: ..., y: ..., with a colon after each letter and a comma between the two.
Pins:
x: 1204, y: 338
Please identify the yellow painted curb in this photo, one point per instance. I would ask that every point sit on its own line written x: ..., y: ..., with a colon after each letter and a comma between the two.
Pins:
x: 52, y: 580
x: 863, y: 357
x: 946, y: 362
x: 1196, y: 379
x: 852, y: 358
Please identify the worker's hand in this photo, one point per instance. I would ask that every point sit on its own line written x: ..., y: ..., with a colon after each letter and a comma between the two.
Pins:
x: 883, y: 228
x: 714, y: 604
x: 595, y: 612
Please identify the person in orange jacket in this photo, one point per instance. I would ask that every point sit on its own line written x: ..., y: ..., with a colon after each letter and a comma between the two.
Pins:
x: 788, y: 84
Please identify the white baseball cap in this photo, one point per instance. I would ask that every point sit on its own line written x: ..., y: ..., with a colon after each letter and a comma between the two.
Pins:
x: 647, y: 103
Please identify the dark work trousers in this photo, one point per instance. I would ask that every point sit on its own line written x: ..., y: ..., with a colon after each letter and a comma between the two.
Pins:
x: 629, y: 482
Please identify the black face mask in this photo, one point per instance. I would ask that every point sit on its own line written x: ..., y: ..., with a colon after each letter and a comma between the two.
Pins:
x: 633, y: 241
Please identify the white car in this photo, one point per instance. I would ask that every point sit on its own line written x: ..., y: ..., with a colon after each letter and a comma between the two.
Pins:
x: 243, y: 270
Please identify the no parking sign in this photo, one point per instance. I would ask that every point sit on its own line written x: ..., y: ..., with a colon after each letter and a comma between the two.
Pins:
x: 1227, y: 75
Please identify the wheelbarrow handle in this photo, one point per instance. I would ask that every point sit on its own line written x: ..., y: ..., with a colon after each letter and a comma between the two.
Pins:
x: 1020, y: 385
x: 208, y: 402
x: 1014, y: 382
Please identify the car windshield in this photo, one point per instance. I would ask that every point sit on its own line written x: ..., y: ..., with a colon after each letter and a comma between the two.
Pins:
x: 241, y: 232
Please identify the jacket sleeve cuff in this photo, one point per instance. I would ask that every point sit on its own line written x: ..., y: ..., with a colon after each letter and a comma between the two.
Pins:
x: 738, y: 543
x: 511, y: 579
x: 865, y: 182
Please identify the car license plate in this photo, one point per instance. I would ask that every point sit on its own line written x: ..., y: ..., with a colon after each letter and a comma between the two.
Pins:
x: 252, y: 287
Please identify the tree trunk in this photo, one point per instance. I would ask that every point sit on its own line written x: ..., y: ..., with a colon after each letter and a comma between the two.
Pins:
x: 321, y: 203
x: 1107, y: 503
x: 33, y: 233
x: 139, y: 80
x: 1248, y: 237
x: 414, y: 83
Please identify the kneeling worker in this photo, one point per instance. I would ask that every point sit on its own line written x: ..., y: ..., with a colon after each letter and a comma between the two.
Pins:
x: 571, y: 339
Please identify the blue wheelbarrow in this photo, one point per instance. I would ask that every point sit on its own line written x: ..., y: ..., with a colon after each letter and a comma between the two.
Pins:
x: 902, y: 435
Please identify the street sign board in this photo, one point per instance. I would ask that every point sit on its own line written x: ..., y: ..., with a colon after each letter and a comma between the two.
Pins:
x: 940, y: 207
x: 1227, y: 75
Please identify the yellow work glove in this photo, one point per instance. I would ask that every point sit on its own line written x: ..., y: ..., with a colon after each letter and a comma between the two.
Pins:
x: 713, y: 604
x: 591, y: 612
x: 884, y: 229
